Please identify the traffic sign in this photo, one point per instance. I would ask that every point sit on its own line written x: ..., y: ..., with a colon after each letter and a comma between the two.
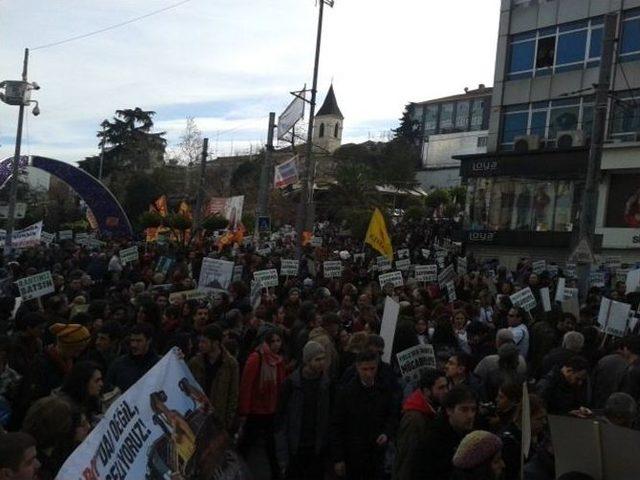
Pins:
x: 583, y: 253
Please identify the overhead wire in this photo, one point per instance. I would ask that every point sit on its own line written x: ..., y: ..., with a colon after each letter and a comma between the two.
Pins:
x: 111, y: 27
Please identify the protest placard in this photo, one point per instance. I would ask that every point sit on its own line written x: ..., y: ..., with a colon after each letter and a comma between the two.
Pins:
x: 462, y: 265
x: 164, y: 264
x: 35, y: 286
x: 440, y: 256
x: 394, y: 278
x: 570, y: 270
x: 596, y: 279
x: 332, y: 269
x: 571, y: 305
x: 316, y: 241
x: 129, y: 255
x: 524, y: 298
x: 215, y: 274
x: 612, y: 263
x: 446, y: 275
x: 136, y: 438
x: 402, y: 253
x: 632, y: 281
x: 383, y: 263
x: 359, y: 257
x: 81, y: 238
x: 451, y: 291
x: 267, y: 278
x: 289, y: 267
x: 47, y: 237
x: 415, y: 360
x: 388, y: 325
x: 24, y: 238
x: 552, y: 269
x: 426, y: 273
x: 621, y: 274
x: 403, y: 265
x: 426, y: 253
x: 265, y: 251
x: 65, y: 235
x: 538, y: 266
x: 545, y: 299
x: 613, y: 317
x: 238, y: 271
x: 188, y: 295
x: 560, y: 290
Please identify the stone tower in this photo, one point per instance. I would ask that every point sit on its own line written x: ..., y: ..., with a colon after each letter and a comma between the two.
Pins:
x: 327, y: 127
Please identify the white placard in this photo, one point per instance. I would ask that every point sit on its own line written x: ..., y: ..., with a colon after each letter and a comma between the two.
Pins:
x: 332, y: 269
x: 129, y: 255
x: 613, y: 317
x: 48, y: 237
x: 383, y: 263
x: 316, y: 241
x: 451, y: 291
x: 403, y: 265
x: 560, y: 290
x: 570, y: 293
x: 632, y: 281
x: 545, y: 298
x: 388, y: 325
x: 81, y: 238
x: 24, y: 238
x: 392, y: 277
x: 267, y: 278
x: 289, y: 267
x: 570, y: 270
x: 524, y: 298
x: 446, y: 275
x: 188, y: 295
x: 238, y: 270
x: 539, y: 266
x: 426, y: 273
x: 553, y: 270
x: 415, y: 360
x: 35, y: 286
x: 215, y: 274
x: 462, y: 265
x: 596, y: 279
x: 426, y: 253
x: 403, y: 253
x: 65, y: 235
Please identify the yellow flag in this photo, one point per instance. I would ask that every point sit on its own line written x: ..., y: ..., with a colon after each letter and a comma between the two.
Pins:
x: 377, y: 235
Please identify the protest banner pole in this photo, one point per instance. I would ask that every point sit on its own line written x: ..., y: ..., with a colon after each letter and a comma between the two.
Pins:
x: 265, y: 176
x: 200, y: 195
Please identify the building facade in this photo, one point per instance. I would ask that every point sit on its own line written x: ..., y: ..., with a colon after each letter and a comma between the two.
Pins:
x: 328, y: 125
x: 526, y: 191
x: 454, y: 125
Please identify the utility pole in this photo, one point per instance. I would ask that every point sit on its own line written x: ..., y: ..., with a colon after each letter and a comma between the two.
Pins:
x: 200, y: 194
x: 13, y: 192
x: 306, y: 212
x: 265, y: 176
x: 587, y: 225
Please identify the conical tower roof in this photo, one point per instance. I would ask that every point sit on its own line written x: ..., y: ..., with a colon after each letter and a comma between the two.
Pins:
x: 330, y: 105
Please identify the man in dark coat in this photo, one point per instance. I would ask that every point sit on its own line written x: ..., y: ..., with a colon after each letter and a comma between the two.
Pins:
x: 363, y: 422
x: 304, y: 409
x: 435, y: 453
x: 130, y: 367
x: 565, y: 389
x: 631, y: 353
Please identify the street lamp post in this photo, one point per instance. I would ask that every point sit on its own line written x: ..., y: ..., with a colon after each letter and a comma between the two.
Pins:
x: 17, y: 93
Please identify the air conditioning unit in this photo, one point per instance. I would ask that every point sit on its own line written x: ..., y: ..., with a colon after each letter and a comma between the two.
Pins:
x: 571, y: 139
x: 526, y: 143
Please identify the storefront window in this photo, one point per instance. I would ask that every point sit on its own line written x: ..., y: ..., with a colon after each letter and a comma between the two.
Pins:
x: 564, y: 118
x: 506, y: 203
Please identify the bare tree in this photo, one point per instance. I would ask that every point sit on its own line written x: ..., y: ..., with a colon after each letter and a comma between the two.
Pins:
x: 190, y: 146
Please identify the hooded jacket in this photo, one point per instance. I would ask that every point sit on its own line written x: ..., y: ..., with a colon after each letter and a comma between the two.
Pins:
x: 417, y: 412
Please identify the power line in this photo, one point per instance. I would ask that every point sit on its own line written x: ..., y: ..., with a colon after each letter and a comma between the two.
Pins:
x: 111, y: 27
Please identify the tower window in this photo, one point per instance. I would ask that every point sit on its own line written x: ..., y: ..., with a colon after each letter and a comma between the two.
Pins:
x: 321, y: 134
x: 336, y: 130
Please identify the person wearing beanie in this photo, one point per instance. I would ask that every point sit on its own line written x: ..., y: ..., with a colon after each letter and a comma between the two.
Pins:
x: 478, y: 457
x: 302, y: 432
x: 57, y: 359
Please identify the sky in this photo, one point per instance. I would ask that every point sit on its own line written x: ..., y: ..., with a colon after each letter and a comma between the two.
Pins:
x: 228, y: 63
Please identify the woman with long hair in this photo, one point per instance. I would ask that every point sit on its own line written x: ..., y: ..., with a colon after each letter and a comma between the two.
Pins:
x: 82, y: 388
x: 262, y: 378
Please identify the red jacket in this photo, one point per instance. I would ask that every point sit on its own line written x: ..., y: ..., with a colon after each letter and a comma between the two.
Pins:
x: 418, y: 403
x: 254, y: 399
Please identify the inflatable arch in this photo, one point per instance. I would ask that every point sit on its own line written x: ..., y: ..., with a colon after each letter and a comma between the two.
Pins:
x: 111, y: 218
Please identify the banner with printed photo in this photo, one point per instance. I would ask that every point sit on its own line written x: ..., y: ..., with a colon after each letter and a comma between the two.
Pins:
x: 215, y: 274
x: 623, y: 204
x: 227, y: 207
x: 162, y: 427
x: 286, y: 173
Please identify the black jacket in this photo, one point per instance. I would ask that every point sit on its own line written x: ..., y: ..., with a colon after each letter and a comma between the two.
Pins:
x: 559, y: 396
x: 127, y: 369
x: 435, y: 453
x: 289, y: 416
x: 359, y: 417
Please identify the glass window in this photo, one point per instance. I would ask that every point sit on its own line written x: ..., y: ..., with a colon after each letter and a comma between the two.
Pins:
x: 431, y: 119
x: 477, y: 115
x: 543, y: 198
x: 565, y: 118
x: 571, y: 47
x: 462, y: 115
x: 522, y: 56
x: 562, y: 221
x: 446, y: 116
x: 546, y: 52
x: 321, y: 134
x: 595, y: 48
x: 626, y: 116
x: 514, y: 124
x: 587, y: 119
x: 539, y: 123
x: 521, y: 215
x: 630, y: 36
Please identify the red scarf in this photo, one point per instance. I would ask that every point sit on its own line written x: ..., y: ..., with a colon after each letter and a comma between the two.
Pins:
x: 269, y: 363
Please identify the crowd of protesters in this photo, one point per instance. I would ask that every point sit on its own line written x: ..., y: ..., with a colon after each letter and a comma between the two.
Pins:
x: 297, y: 372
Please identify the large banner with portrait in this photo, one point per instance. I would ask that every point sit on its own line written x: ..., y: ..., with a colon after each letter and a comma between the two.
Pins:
x: 227, y: 207
x: 623, y: 203
x: 161, y: 428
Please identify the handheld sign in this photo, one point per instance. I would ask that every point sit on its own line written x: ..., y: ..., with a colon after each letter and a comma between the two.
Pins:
x: 403, y: 264
x: 426, y: 253
x: 403, y: 253
x: 238, y: 270
x: 35, y: 286
x: 525, y: 299
x: 388, y: 325
x: 316, y: 241
x: 596, y: 279
x: 215, y: 274
x: 560, y: 290
x: 384, y: 264
x: 546, y: 299
x: 129, y: 255
x: 289, y: 267
x: 426, y: 273
x: 415, y: 360
x: 188, y: 295
x: 65, y: 235
x: 451, y: 291
x: 539, y: 266
x: 632, y: 281
x: 81, y: 238
x: 267, y: 278
x: 332, y: 269
x: 462, y: 265
x: 446, y: 275
x: 570, y: 270
x: 394, y: 278
x: 48, y: 237
x: 613, y: 317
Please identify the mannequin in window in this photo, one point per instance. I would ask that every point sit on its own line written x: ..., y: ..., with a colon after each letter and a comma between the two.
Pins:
x: 522, y: 208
